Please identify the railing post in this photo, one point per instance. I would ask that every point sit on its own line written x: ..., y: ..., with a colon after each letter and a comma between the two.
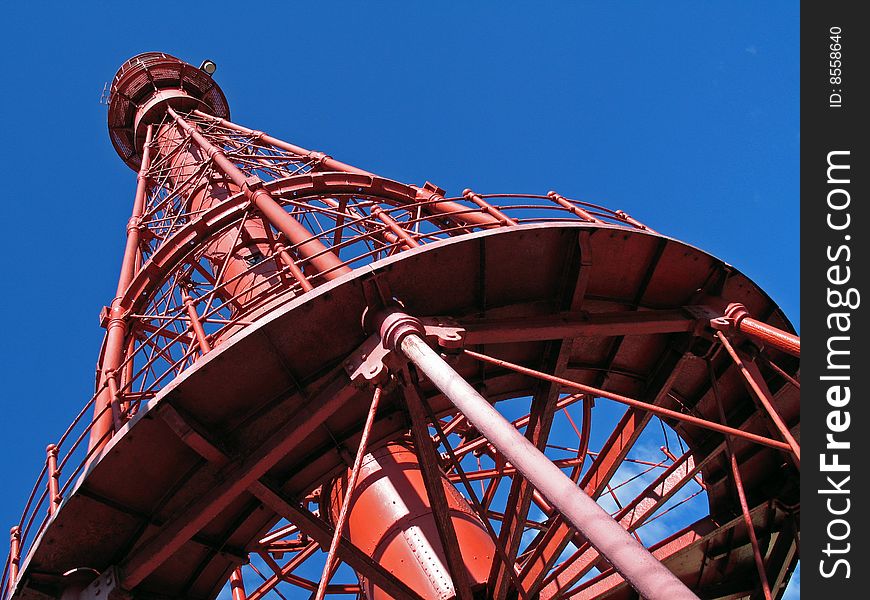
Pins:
x: 624, y: 216
x: 488, y: 208
x: 345, y: 210
x: 114, y: 400
x: 434, y: 204
x: 196, y: 324
x: 394, y: 227
x: 294, y: 269
x: 53, y: 478
x: 572, y: 208
x: 14, y: 556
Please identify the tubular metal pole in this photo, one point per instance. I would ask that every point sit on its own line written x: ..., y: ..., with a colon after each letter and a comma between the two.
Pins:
x: 738, y: 318
x: 116, y: 327
x: 348, y: 495
x: 741, y: 492
x: 237, y: 584
x: 777, y: 338
x: 762, y: 395
x: 196, y: 324
x: 641, y: 569
x: 53, y: 478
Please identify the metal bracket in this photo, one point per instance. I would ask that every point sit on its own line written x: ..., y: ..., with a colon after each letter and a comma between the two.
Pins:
x: 253, y: 183
x: 431, y: 187
x: 370, y: 363
x: 366, y: 363
x: 705, y: 317
x: 105, y: 313
x: 445, y: 330
x: 106, y: 586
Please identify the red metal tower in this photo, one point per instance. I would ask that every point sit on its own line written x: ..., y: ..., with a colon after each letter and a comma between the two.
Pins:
x: 316, y: 380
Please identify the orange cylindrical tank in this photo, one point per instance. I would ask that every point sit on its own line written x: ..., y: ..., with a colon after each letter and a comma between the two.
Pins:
x: 391, y: 520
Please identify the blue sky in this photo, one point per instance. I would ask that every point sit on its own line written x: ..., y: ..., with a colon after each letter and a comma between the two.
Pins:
x: 684, y: 115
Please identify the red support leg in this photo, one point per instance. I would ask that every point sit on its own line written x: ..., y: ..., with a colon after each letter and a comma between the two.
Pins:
x: 741, y: 493
x: 116, y: 326
x: 756, y: 385
x: 345, y: 505
x: 237, y: 584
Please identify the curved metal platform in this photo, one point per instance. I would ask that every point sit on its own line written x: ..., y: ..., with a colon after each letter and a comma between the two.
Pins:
x: 175, y: 499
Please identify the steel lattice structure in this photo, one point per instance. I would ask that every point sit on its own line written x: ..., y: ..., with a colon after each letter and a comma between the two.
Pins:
x: 317, y: 381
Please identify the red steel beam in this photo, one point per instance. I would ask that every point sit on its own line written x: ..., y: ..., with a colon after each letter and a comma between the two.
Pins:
x: 624, y: 216
x: 682, y: 541
x: 520, y: 493
x: 755, y: 383
x: 14, y: 557
x: 53, y: 478
x: 394, y: 227
x: 563, y: 325
x: 738, y: 318
x: 237, y: 584
x: 196, y: 324
x: 741, y: 492
x: 480, y: 442
x: 543, y: 409
x: 345, y: 505
x: 284, y: 572
x: 488, y: 208
x: 572, y: 208
x: 116, y: 327
x: 327, y: 162
x: 777, y: 338
x: 778, y: 370
x: 480, y: 508
x: 509, y: 469
x: 658, y: 410
x: 153, y: 552
x: 781, y: 556
x: 668, y: 550
x: 294, y: 269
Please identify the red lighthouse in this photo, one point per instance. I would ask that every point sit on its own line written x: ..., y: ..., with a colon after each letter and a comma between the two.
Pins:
x: 319, y: 381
